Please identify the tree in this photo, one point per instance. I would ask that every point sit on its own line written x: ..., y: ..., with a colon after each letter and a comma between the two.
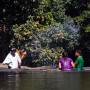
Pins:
x: 39, y: 25
x: 46, y: 33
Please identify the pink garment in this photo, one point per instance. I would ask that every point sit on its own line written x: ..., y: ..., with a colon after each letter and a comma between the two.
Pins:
x: 66, y: 63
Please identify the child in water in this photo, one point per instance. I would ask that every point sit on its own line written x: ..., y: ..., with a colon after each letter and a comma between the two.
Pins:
x: 79, y: 63
x: 22, y: 53
x: 65, y: 63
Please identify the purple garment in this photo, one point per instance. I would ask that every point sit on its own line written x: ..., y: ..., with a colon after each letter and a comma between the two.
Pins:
x: 66, y: 63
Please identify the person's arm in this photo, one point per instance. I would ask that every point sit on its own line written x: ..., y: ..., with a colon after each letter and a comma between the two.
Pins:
x: 19, y: 60
x: 72, y: 63
x: 7, y: 60
x: 59, y: 66
x: 76, y: 62
x: 23, y: 55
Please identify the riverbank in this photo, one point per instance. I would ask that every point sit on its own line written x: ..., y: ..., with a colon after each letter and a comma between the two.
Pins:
x: 4, y: 68
x: 26, y: 67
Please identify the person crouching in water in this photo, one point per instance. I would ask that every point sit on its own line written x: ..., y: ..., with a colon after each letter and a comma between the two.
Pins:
x: 65, y: 63
x: 13, y: 60
x: 79, y: 63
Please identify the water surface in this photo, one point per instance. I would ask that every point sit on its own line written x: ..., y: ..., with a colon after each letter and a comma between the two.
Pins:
x: 45, y: 80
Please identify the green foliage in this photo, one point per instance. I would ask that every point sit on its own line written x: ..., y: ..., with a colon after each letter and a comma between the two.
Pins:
x: 58, y: 10
x: 50, y: 29
x: 87, y: 28
x: 82, y: 12
x: 40, y: 25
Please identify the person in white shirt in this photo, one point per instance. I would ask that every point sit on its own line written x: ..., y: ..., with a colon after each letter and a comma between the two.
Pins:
x: 13, y: 60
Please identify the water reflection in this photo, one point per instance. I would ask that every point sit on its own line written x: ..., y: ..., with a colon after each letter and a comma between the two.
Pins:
x: 9, y: 81
x: 42, y: 80
x: 13, y: 82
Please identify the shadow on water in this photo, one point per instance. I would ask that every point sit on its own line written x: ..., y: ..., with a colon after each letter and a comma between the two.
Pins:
x: 45, y: 80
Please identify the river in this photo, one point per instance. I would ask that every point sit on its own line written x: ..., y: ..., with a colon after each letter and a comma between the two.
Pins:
x: 45, y: 80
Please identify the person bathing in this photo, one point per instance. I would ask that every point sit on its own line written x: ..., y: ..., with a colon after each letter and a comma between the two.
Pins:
x: 13, y: 60
x: 79, y: 63
x: 65, y: 63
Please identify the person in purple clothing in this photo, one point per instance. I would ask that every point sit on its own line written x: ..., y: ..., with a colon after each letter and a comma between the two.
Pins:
x: 65, y: 63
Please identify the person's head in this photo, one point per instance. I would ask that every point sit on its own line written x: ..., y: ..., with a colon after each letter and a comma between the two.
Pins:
x: 78, y: 53
x: 13, y: 51
x: 22, y: 50
x: 64, y: 54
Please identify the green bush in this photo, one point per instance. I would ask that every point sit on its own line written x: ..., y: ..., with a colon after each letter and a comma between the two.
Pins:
x: 47, y: 32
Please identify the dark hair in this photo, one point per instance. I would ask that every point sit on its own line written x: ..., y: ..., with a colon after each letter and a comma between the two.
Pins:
x: 79, y: 51
x: 64, y: 54
x: 13, y: 49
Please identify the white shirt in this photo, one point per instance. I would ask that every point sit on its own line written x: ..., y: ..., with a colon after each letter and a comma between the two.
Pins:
x: 12, y: 61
